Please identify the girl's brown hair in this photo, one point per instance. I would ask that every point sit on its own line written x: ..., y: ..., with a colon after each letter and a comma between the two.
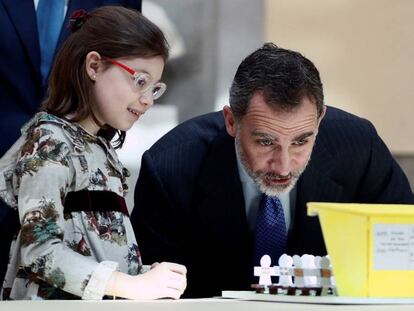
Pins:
x: 113, y: 32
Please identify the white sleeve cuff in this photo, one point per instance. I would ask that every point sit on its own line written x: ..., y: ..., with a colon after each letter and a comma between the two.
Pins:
x: 95, y: 289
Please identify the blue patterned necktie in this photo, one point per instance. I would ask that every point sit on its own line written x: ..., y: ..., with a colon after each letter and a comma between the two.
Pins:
x: 270, y: 235
x: 49, y: 15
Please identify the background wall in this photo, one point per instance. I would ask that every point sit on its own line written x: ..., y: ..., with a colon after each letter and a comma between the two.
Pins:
x: 364, y: 51
x: 217, y: 35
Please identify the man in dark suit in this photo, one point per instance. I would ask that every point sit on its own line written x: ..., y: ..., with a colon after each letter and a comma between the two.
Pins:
x: 198, y: 199
x: 22, y: 87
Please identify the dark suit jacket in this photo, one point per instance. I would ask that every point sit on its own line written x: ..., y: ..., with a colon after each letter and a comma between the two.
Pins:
x: 189, y: 205
x: 21, y: 89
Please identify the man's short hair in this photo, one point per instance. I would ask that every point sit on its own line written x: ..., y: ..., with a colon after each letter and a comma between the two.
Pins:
x: 283, y: 76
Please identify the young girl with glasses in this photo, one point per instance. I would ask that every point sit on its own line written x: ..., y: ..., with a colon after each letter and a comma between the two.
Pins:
x: 64, y: 177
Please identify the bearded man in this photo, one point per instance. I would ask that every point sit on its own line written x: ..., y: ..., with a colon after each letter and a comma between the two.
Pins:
x: 221, y: 190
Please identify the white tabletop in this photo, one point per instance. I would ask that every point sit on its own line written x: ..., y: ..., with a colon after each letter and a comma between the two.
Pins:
x: 185, y: 305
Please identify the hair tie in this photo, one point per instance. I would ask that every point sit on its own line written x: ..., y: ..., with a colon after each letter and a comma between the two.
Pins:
x: 77, y: 19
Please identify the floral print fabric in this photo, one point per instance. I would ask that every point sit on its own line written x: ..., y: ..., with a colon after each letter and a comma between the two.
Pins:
x: 58, y: 250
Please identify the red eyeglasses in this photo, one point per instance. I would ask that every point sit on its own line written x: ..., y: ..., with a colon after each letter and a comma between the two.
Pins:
x: 142, y: 80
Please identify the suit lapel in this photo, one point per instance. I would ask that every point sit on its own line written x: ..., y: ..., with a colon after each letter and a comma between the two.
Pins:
x: 220, y: 195
x: 317, y: 182
x: 315, y: 185
x: 22, y: 14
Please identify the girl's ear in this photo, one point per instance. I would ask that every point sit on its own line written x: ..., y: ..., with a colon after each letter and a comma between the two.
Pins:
x: 92, y: 64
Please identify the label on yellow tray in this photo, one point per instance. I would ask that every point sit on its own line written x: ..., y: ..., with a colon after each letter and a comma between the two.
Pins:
x: 393, y: 247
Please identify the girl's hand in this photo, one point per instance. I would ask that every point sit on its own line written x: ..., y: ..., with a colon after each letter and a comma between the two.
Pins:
x: 164, y: 280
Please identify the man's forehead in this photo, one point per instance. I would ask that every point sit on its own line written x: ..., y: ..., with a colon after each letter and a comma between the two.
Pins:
x: 258, y: 102
x: 261, y: 117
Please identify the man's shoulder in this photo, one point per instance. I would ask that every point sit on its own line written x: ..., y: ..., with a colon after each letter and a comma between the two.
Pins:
x: 193, y: 133
x: 337, y: 114
x: 344, y: 134
x: 340, y: 122
x: 184, y: 151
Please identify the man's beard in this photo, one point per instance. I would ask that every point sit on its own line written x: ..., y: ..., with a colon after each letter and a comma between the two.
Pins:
x: 260, y: 177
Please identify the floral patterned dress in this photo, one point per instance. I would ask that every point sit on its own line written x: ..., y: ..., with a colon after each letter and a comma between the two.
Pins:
x: 68, y: 187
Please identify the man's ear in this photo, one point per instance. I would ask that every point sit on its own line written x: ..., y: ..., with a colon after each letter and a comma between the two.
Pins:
x: 92, y: 64
x: 322, y: 115
x: 230, y: 121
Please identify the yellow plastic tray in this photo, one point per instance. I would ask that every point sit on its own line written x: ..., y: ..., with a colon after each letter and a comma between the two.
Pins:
x: 371, y: 247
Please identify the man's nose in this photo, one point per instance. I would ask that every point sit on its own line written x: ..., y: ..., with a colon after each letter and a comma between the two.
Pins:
x: 280, y: 161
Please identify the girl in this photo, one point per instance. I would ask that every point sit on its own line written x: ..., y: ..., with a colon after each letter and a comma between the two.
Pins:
x: 63, y: 174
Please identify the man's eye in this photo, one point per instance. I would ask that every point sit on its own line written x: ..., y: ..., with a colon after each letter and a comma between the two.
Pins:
x: 265, y: 142
x: 300, y: 142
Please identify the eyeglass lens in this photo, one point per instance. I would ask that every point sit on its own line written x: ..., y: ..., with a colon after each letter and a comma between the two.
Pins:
x: 143, y: 83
